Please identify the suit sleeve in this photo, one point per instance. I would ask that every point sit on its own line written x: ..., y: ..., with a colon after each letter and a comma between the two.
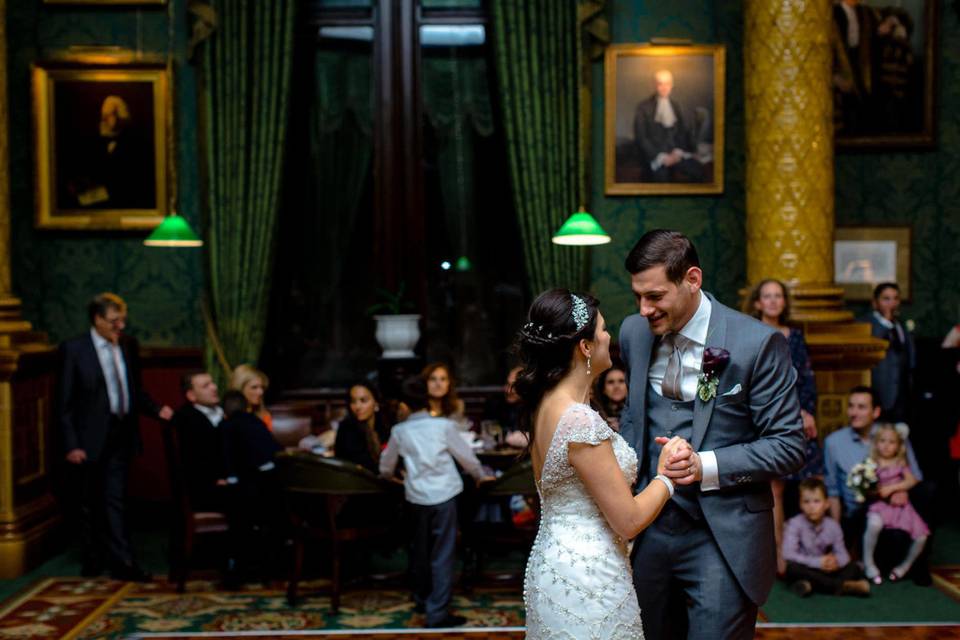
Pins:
x: 775, y: 413
x: 627, y: 430
x: 66, y: 405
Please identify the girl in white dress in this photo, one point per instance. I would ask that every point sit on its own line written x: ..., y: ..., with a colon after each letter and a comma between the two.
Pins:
x: 578, y: 581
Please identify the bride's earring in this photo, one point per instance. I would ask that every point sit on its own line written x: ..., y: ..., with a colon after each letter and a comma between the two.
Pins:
x: 588, y: 365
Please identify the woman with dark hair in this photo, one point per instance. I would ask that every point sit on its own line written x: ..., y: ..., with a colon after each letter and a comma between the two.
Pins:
x: 610, y: 395
x: 578, y: 580
x: 769, y: 303
x: 362, y: 434
x: 442, y: 393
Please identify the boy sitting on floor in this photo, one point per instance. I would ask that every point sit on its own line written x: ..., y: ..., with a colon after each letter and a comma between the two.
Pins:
x: 817, y: 559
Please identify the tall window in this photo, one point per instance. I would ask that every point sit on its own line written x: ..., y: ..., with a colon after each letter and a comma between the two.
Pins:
x: 397, y: 177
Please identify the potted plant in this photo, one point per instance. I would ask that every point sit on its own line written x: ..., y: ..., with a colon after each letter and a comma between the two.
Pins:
x: 397, y: 332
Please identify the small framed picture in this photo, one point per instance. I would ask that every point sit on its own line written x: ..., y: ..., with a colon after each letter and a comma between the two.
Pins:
x: 663, y: 115
x: 863, y: 257
x: 101, y: 145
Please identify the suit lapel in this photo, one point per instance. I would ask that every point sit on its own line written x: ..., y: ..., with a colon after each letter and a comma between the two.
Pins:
x: 645, y: 348
x: 716, y: 337
x: 93, y: 361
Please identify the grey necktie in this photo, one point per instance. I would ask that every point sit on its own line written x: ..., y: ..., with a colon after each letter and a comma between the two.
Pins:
x: 672, y: 385
x: 118, y: 381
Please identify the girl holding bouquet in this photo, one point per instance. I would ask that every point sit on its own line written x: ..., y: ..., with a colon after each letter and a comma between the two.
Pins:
x: 893, y: 509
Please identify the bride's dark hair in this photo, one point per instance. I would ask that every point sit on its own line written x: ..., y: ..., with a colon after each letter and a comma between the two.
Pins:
x: 545, y: 346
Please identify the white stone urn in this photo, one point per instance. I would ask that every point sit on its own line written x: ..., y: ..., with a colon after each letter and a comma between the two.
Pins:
x: 398, y: 334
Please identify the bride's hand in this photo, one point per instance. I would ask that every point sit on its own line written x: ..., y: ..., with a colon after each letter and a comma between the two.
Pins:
x: 682, y: 464
x: 670, y: 447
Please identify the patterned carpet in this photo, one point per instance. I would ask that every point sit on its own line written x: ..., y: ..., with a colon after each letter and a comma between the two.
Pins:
x: 93, y: 609
x: 947, y: 579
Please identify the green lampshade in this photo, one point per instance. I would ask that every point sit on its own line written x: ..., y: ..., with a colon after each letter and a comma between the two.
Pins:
x: 581, y: 229
x: 174, y: 231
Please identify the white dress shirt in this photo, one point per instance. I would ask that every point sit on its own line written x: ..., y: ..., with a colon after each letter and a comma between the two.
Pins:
x: 853, y: 25
x: 691, y: 345
x: 214, y: 414
x: 887, y: 324
x: 428, y: 446
x: 113, y: 366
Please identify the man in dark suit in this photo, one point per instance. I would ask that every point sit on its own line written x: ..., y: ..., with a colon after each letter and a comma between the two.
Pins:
x: 100, y: 397
x: 665, y: 136
x: 891, y: 377
x: 203, y: 451
x: 724, y: 382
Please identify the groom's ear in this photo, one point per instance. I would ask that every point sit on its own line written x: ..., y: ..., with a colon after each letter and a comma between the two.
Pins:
x: 693, y: 279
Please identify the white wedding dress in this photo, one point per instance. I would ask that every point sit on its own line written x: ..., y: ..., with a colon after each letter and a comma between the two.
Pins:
x: 578, y: 582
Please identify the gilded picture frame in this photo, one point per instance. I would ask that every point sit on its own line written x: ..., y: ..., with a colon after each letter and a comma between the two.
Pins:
x: 884, y: 78
x: 102, y: 144
x: 863, y: 257
x: 664, y: 119
x: 101, y: 3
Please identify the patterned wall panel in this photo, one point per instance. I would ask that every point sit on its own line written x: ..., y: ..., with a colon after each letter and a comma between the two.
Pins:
x: 55, y: 273
x: 715, y: 223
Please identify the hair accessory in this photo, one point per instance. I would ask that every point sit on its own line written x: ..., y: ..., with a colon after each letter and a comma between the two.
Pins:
x: 580, y: 314
x: 902, y: 430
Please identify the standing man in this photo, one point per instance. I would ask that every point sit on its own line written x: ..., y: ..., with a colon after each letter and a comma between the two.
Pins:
x: 891, y: 377
x: 100, y: 397
x: 665, y: 136
x: 725, y: 383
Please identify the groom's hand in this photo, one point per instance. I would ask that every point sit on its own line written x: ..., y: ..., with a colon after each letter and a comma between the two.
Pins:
x: 683, y: 465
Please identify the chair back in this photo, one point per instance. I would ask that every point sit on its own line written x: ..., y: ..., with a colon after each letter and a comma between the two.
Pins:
x: 518, y: 479
x: 304, y: 472
x: 178, y: 487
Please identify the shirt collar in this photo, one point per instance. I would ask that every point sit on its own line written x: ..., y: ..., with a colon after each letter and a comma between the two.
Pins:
x: 213, y: 414
x: 99, y: 342
x: 696, y: 328
x: 886, y: 323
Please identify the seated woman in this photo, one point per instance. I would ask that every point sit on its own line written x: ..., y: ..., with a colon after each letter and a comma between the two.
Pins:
x: 442, y: 392
x: 610, y: 394
x: 362, y: 435
x: 252, y: 383
x: 769, y: 303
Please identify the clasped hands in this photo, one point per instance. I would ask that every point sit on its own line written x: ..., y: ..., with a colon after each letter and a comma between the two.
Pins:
x: 678, y: 461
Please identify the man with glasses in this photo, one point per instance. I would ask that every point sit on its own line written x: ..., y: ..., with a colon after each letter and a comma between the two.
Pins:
x: 100, y: 397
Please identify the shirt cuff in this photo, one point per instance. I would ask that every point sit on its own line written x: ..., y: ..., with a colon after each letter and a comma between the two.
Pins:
x: 658, y: 161
x: 710, y: 480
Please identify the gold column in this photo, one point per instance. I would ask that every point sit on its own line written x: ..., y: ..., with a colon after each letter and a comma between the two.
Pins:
x: 28, y: 515
x: 790, y: 188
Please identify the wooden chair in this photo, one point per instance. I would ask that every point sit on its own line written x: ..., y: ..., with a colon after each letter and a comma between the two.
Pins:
x: 316, y: 489
x: 187, y: 523
x: 485, y: 536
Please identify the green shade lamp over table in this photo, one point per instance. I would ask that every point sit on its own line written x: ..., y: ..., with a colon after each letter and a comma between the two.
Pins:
x: 581, y: 229
x: 174, y: 231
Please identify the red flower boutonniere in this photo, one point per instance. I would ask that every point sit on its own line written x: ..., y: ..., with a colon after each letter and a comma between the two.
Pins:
x: 715, y: 360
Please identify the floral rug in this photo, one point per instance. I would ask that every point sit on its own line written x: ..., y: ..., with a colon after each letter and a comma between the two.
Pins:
x: 93, y: 609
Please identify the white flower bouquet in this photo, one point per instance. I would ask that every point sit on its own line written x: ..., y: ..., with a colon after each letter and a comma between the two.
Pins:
x: 862, y: 479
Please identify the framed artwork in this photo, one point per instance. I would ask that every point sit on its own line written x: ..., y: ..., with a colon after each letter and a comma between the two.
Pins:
x: 663, y: 119
x: 102, y: 145
x: 863, y: 257
x: 884, y: 73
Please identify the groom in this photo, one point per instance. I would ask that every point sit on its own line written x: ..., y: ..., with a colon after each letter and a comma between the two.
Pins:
x: 725, y: 383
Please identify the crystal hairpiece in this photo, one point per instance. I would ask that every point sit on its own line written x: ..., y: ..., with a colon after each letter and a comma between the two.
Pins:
x: 580, y: 314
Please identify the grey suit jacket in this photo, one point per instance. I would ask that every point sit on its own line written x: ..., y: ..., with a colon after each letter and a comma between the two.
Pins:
x: 755, y: 433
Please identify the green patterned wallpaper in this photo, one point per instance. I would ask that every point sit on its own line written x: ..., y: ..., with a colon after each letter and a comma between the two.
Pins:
x: 919, y: 189
x: 56, y: 272
x: 872, y: 188
x: 715, y: 223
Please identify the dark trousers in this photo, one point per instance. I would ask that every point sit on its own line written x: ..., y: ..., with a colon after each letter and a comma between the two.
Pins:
x: 432, y: 556
x: 678, y: 568
x: 100, y: 490
x: 822, y: 581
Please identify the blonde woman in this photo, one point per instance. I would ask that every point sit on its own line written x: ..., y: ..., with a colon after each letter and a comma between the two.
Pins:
x: 252, y: 383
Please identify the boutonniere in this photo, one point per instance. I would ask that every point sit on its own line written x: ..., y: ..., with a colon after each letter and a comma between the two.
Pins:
x: 910, y: 325
x: 715, y: 359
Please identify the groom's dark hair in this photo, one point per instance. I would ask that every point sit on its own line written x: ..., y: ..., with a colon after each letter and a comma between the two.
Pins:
x: 662, y: 247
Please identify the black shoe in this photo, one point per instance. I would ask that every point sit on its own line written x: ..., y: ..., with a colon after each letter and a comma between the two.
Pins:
x: 450, y: 621
x: 802, y: 588
x: 130, y: 573
x: 419, y: 608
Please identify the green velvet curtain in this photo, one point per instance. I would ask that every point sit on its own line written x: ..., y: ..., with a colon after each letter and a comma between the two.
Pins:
x: 537, y: 51
x: 341, y: 150
x: 246, y: 69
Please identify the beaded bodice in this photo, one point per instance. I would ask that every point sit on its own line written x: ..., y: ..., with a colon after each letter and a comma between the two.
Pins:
x: 578, y: 582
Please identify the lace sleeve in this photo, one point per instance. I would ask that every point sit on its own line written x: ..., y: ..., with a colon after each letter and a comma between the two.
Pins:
x: 582, y: 424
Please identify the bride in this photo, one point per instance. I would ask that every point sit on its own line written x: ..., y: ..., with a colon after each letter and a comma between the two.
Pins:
x: 578, y: 580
